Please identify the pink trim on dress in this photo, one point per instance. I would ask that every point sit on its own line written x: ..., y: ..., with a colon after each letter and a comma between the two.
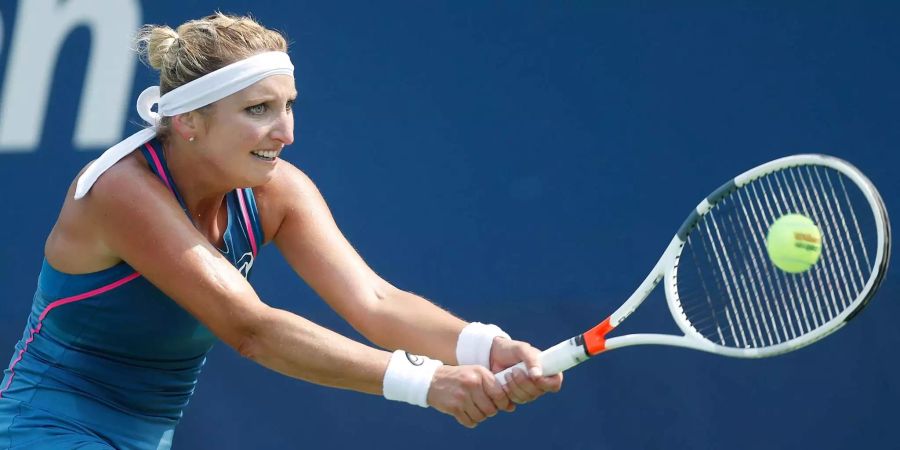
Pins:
x: 50, y: 307
x: 240, y: 196
x: 159, y: 168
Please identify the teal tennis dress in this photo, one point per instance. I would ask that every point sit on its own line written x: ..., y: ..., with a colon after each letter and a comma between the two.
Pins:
x: 106, y: 359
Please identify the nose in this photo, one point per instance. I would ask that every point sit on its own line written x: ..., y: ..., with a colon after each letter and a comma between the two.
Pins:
x: 283, y: 130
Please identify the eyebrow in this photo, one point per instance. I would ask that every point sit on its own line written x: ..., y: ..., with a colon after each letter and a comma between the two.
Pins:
x: 268, y: 98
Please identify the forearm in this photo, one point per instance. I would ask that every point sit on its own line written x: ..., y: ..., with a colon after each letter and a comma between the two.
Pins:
x: 296, y: 347
x: 403, y: 320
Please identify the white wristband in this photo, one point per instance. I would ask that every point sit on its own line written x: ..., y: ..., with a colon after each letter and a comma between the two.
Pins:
x: 474, y: 344
x: 408, y: 378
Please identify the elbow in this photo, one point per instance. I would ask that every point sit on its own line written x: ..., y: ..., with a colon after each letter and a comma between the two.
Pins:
x: 375, y: 320
x: 249, y: 336
x: 248, y: 345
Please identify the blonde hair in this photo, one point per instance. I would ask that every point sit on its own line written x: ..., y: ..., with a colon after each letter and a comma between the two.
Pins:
x: 201, y: 46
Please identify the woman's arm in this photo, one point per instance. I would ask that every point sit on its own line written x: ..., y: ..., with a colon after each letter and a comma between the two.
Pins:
x: 311, y: 242
x: 304, y: 230
x: 137, y: 220
x: 140, y: 222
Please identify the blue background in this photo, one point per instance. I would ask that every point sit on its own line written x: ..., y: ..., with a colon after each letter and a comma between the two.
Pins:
x: 525, y: 163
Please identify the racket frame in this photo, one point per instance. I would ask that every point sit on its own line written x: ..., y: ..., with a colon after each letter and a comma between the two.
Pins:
x: 578, y: 349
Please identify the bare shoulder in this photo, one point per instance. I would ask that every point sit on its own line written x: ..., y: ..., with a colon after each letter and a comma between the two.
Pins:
x: 288, y: 180
x: 76, y: 244
x: 287, y: 192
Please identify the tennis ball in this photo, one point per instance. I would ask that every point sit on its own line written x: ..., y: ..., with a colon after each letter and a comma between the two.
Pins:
x: 794, y: 243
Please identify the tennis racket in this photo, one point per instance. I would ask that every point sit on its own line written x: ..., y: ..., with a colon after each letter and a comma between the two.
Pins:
x: 724, y: 292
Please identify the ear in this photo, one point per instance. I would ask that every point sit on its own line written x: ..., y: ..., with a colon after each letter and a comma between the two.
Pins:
x: 187, y: 125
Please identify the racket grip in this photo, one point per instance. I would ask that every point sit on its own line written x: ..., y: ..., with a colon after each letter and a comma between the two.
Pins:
x: 560, y: 357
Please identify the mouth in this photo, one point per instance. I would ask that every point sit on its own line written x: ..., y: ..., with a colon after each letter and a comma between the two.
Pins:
x: 266, y: 155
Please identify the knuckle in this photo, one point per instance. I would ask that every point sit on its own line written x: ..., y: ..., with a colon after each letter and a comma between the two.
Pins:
x: 472, y: 378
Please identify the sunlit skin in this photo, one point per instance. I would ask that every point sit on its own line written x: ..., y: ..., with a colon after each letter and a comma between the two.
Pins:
x: 131, y: 216
x: 226, y: 134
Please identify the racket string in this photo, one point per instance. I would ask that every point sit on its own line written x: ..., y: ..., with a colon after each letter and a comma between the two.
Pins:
x: 753, y: 308
x: 714, y: 314
x: 818, y: 215
x: 795, y: 197
x: 861, y: 276
x: 784, y: 207
x: 736, y: 297
x: 790, y: 303
x: 764, y: 303
x: 776, y: 281
x: 831, y: 213
x: 737, y: 305
x: 772, y: 281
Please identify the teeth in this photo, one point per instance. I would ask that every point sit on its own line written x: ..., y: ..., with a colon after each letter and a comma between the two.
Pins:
x: 267, y: 153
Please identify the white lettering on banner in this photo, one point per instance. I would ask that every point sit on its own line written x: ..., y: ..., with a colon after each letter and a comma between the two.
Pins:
x: 41, y: 27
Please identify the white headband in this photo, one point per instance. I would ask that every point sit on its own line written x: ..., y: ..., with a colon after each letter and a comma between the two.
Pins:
x: 188, y: 97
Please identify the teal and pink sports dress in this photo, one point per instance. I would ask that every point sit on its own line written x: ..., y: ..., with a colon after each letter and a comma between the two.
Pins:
x: 106, y: 359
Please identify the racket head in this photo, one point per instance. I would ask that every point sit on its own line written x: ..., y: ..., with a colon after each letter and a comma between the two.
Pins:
x: 722, y: 288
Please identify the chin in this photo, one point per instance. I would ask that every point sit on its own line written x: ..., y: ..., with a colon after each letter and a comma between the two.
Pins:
x: 260, y: 179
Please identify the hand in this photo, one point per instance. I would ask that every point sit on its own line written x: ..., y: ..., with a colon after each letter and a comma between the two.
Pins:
x: 522, y: 388
x: 469, y: 393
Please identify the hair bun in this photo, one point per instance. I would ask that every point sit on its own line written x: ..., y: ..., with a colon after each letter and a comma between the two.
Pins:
x: 198, y: 47
x: 154, y: 43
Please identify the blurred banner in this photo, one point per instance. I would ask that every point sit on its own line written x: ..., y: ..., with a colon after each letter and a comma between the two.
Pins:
x: 522, y: 163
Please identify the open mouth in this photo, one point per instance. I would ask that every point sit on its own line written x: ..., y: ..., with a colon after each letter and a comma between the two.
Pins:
x: 266, y: 155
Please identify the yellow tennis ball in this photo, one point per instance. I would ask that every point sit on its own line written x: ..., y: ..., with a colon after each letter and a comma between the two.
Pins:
x: 794, y: 243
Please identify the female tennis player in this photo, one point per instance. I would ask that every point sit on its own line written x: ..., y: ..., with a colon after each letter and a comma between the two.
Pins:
x: 147, y: 264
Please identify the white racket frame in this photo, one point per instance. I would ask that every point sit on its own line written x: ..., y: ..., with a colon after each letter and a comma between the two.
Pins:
x: 572, y: 352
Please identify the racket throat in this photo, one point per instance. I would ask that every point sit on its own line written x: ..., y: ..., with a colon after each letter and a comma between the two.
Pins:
x: 594, y: 340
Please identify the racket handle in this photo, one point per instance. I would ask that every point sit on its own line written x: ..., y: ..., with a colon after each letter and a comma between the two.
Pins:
x: 560, y: 357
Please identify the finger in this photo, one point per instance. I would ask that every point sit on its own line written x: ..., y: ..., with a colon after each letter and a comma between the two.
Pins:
x: 485, y: 405
x: 464, y: 419
x: 474, y: 412
x: 532, y: 359
x: 530, y: 387
x: 528, y: 390
x: 552, y: 383
x: 496, y: 393
x: 514, y: 387
x: 506, y: 391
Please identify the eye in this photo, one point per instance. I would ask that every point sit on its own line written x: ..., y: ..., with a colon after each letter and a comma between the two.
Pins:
x: 290, y: 105
x: 257, y: 110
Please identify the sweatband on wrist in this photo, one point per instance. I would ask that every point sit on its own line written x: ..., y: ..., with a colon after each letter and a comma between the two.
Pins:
x: 408, y: 378
x: 474, y: 344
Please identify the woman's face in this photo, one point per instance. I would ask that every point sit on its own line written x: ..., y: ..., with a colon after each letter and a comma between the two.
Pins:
x: 243, y: 134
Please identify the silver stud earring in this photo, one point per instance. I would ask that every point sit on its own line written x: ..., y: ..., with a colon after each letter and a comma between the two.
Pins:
x: 191, y: 139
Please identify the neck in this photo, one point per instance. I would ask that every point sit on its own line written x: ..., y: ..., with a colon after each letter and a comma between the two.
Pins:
x: 200, y: 186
